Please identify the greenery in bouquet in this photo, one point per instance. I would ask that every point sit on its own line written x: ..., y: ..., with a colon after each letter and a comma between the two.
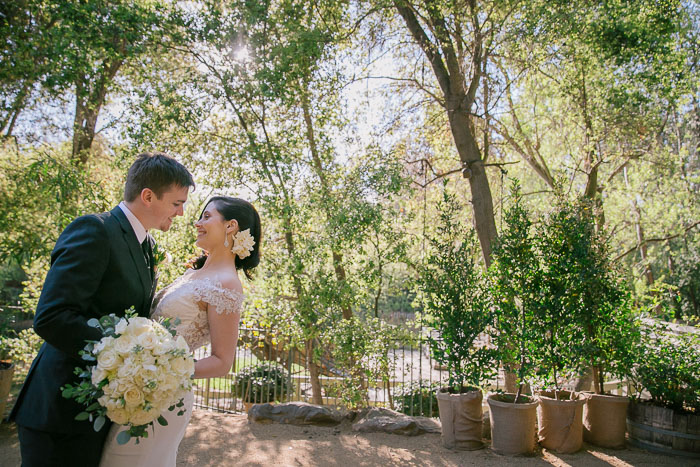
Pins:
x: 668, y: 366
x: 138, y: 369
x: 456, y: 302
x: 262, y: 382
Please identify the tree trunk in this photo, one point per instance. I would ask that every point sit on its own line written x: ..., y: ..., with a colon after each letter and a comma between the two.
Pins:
x: 314, y: 374
x: 482, y: 201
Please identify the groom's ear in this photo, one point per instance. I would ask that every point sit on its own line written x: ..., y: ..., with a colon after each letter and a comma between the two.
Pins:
x: 147, y: 196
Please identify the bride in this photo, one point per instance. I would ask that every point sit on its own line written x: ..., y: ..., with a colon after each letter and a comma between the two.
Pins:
x: 208, y: 300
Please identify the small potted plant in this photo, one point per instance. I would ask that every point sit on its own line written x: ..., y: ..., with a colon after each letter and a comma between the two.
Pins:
x: 456, y: 306
x: 261, y: 383
x: 514, y: 281
x: 668, y: 370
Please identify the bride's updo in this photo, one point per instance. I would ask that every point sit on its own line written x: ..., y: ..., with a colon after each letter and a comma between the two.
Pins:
x: 248, y: 218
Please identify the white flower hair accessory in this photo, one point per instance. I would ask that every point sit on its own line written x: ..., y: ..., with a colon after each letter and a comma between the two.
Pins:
x: 243, y: 244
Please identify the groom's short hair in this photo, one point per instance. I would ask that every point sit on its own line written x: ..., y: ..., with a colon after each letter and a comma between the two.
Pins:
x: 157, y: 171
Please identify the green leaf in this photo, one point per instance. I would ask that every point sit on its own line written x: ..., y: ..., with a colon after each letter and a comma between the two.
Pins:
x: 93, y: 406
x: 123, y: 437
x: 99, y: 423
x: 82, y: 416
x: 94, y: 323
x: 162, y: 421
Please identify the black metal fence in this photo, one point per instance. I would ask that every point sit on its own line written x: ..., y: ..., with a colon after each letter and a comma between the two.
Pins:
x: 408, y: 387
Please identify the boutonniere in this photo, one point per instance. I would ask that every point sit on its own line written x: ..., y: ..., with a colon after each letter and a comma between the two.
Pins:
x: 159, y: 256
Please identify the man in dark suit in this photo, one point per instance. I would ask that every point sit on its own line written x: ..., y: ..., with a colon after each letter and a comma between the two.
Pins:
x: 101, y: 264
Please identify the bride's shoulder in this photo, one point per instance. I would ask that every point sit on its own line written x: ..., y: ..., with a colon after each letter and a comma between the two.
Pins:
x: 231, y: 283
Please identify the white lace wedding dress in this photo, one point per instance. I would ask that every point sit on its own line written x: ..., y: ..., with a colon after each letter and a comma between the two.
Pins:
x: 186, y: 298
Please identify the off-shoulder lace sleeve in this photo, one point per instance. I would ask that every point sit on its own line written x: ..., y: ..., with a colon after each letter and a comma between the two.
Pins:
x: 226, y: 301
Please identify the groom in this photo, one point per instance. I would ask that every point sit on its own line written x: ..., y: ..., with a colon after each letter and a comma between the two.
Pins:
x: 101, y: 264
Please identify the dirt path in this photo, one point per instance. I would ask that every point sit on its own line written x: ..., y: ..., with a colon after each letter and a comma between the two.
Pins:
x: 214, y: 439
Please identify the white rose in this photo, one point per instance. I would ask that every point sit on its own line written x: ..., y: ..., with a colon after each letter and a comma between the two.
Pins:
x: 98, y: 374
x: 123, y: 344
x: 133, y: 397
x: 138, y: 326
x: 108, y: 360
x: 183, y: 366
x: 102, y: 344
x: 147, y: 340
x: 164, y: 346
x: 118, y: 416
x: 121, y: 326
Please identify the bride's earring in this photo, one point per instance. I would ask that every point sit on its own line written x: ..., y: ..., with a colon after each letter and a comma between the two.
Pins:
x: 226, y: 240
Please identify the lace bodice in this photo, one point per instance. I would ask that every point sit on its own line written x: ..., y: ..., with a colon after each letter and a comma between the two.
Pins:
x: 187, y: 299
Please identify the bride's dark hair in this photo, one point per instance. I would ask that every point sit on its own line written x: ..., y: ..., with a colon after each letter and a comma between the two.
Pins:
x: 248, y: 218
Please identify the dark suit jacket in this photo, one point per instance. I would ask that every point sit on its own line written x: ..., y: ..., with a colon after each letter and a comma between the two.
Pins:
x: 97, y: 268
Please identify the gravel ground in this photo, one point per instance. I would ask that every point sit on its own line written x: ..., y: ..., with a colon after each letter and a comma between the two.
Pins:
x: 215, y: 439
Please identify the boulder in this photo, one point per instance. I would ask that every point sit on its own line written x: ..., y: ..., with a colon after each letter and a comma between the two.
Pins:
x: 295, y: 413
x: 389, y: 421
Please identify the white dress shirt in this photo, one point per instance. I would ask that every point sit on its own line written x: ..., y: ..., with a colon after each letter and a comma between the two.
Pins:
x: 136, y: 224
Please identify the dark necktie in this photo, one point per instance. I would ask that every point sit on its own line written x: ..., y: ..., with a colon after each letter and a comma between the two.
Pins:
x: 146, y: 252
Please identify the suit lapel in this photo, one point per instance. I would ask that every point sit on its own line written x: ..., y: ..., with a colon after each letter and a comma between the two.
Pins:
x: 137, y: 256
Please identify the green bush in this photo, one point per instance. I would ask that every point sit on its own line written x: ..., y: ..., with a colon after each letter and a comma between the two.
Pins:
x: 668, y: 367
x: 21, y: 349
x: 417, y: 398
x: 263, y: 382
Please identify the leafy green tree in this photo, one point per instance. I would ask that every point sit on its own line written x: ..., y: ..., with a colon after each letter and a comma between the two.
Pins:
x: 515, y: 286
x: 455, y: 301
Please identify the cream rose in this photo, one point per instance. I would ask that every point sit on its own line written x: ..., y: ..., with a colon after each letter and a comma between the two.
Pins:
x: 148, y: 341
x: 108, y: 360
x: 133, y: 397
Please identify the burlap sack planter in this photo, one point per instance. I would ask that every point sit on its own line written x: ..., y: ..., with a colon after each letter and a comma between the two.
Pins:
x: 460, y: 416
x: 7, y: 370
x: 604, y: 420
x: 560, y: 421
x: 513, y: 426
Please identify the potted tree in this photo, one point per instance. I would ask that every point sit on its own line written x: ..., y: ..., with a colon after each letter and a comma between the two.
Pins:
x: 261, y: 383
x: 668, y: 370
x: 514, y: 281
x: 562, y: 249
x: 601, y: 309
x: 456, y: 306
x: 7, y: 370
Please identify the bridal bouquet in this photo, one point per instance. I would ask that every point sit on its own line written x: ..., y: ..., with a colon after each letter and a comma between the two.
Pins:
x: 139, y: 369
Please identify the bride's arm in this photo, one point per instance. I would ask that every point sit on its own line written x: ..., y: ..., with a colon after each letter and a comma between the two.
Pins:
x: 223, y: 328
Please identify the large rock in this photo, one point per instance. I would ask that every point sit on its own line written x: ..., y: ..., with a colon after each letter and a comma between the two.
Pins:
x: 295, y: 413
x: 389, y: 421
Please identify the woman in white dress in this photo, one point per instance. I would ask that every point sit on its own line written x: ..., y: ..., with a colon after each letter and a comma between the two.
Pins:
x: 207, y: 299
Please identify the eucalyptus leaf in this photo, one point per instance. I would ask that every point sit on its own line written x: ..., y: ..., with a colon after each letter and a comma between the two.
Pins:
x: 124, y: 437
x: 99, y: 423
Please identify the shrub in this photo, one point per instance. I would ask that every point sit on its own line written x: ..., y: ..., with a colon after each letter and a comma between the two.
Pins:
x: 22, y: 348
x: 668, y: 367
x: 417, y: 398
x: 263, y: 382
